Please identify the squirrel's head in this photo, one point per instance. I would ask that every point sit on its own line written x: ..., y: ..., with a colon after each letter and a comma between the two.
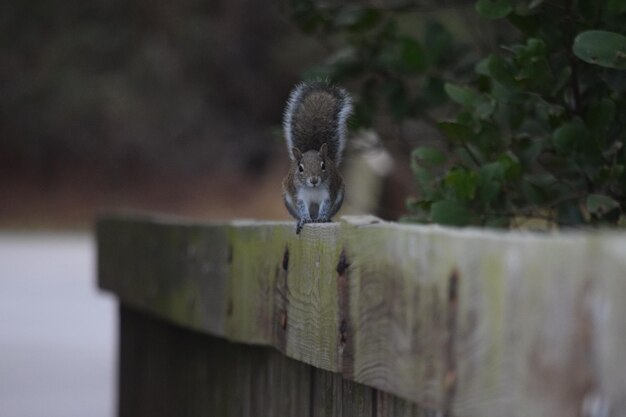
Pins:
x: 312, y: 168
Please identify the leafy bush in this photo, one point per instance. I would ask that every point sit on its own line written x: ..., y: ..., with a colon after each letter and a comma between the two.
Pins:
x: 540, y: 129
x: 397, y: 68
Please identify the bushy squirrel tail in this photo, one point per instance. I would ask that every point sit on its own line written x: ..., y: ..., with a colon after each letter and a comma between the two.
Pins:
x: 317, y: 113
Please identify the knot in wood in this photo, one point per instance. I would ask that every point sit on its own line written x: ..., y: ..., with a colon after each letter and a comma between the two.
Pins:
x: 343, y: 264
x: 343, y: 332
x: 229, y: 255
x: 453, y: 287
x: 286, y: 259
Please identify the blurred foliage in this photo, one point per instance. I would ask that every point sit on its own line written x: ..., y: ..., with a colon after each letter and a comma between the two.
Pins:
x: 127, y: 88
x: 398, y: 66
x: 539, y: 131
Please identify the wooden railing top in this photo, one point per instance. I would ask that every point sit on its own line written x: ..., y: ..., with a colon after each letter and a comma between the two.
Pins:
x: 466, y: 321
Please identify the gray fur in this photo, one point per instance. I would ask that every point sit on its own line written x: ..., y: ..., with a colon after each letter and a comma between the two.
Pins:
x: 317, y: 113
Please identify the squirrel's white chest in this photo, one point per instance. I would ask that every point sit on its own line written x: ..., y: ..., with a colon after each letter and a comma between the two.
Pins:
x: 313, y: 195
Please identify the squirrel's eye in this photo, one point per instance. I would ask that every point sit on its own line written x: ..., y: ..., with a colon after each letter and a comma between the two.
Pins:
x: 301, y: 168
x: 323, y: 166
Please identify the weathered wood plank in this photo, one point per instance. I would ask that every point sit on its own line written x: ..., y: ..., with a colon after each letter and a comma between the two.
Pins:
x: 398, y: 313
x: 178, y: 272
x: 282, y: 292
x: 166, y: 370
x: 333, y: 396
x: 606, y: 313
x: 463, y: 322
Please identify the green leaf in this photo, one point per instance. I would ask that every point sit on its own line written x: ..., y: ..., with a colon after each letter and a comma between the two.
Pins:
x: 412, y: 55
x: 536, y: 47
x: 512, y: 113
x: 534, y: 194
x: 450, y: 212
x: 490, y: 139
x: 484, y: 106
x: 562, y: 78
x: 482, y: 67
x: 456, y: 131
x: 425, y: 181
x: 511, y: 165
x: 548, y: 111
x: 439, y: 41
x: 469, y: 155
x: 607, y: 49
x: 465, y: 96
x: 428, y: 157
x: 528, y: 24
x: 529, y: 150
x: 570, y: 137
x: 493, y: 171
x: 538, y: 75
x: 600, y: 204
x: 494, y: 9
x: 487, y: 191
x: 600, y: 114
x: 502, y: 71
x: 462, y: 182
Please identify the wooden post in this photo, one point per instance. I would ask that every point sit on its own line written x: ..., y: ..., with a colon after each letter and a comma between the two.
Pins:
x: 368, y: 318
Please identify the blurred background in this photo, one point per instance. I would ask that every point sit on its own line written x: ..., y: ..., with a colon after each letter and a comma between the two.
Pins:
x: 172, y: 107
x: 149, y: 105
x: 467, y: 112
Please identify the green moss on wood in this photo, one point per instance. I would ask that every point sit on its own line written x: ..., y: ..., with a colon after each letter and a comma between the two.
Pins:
x: 525, y: 311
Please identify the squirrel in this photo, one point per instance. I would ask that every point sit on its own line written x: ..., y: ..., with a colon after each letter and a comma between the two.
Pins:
x: 315, y: 131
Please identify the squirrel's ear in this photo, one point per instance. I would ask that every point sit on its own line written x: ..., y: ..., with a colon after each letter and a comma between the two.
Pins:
x: 296, y: 154
x: 323, y: 150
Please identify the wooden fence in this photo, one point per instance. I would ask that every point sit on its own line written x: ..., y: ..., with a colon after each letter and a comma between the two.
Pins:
x: 364, y: 318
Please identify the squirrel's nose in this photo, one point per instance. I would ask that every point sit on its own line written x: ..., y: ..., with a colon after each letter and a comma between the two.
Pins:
x: 314, y: 180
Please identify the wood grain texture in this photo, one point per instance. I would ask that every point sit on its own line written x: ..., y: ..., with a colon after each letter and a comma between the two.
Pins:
x: 461, y: 322
x: 169, y: 371
x: 166, y: 370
